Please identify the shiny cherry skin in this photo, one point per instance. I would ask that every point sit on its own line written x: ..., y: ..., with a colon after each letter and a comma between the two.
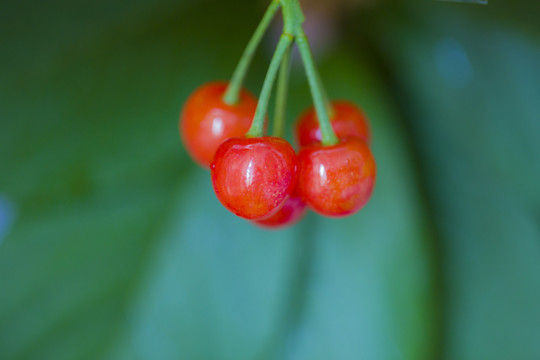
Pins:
x: 253, y: 177
x: 206, y: 121
x: 347, y: 120
x: 292, y: 212
x: 336, y: 181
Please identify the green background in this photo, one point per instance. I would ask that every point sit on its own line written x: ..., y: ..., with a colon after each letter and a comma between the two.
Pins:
x: 113, y: 245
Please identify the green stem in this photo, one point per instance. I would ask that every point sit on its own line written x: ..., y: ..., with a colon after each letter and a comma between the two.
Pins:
x: 257, y: 127
x: 328, y: 135
x: 327, y: 103
x: 281, y: 94
x: 293, y: 16
x: 232, y: 94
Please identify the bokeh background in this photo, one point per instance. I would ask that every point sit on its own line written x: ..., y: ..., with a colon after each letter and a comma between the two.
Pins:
x: 113, y: 245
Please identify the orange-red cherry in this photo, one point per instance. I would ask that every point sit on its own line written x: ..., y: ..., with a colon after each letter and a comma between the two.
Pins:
x: 337, y: 180
x: 253, y: 177
x: 292, y: 212
x: 347, y: 120
x: 206, y: 121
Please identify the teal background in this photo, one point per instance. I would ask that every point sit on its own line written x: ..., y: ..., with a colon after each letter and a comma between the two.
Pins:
x: 113, y: 245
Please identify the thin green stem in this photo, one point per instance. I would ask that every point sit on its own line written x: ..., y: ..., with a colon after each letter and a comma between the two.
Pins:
x: 328, y: 135
x: 281, y: 94
x: 327, y: 103
x: 257, y: 127
x: 232, y: 94
x: 294, y: 18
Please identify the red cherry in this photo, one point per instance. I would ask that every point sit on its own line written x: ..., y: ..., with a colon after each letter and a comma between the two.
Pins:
x: 337, y: 180
x: 253, y: 177
x: 292, y: 212
x: 206, y: 121
x: 348, y: 120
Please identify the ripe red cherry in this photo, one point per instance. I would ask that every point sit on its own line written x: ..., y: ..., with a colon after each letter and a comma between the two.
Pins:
x: 253, y: 177
x: 337, y: 180
x: 206, y: 121
x: 292, y: 212
x: 347, y: 120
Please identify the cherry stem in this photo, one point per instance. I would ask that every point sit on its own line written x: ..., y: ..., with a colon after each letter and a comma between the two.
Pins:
x: 232, y: 94
x: 257, y: 127
x: 281, y: 94
x: 327, y: 103
x: 329, y: 137
x: 293, y: 19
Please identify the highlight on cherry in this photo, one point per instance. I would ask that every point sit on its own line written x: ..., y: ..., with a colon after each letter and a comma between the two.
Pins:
x: 259, y: 176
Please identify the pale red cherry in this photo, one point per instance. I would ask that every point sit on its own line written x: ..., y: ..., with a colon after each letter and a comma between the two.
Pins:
x: 292, y: 212
x: 337, y: 180
x: 253, y: 177
x: 206, y: 121
x: 347, y: 121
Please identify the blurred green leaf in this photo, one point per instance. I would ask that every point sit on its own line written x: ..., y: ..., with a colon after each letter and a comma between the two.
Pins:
x: 120, y: 250
x: 471, y: 88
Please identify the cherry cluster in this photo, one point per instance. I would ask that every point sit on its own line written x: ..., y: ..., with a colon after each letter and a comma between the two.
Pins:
x: 262, y: 178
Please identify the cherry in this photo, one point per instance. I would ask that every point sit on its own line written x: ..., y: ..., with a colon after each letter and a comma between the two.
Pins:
x: 206, y: 121
x: 337, y: 180
x: 253, y: 177
x: 292, y: 212
x: 347, y: 120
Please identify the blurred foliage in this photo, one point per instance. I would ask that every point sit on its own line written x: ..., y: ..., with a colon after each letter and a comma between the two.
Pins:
x: 119, y: 249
